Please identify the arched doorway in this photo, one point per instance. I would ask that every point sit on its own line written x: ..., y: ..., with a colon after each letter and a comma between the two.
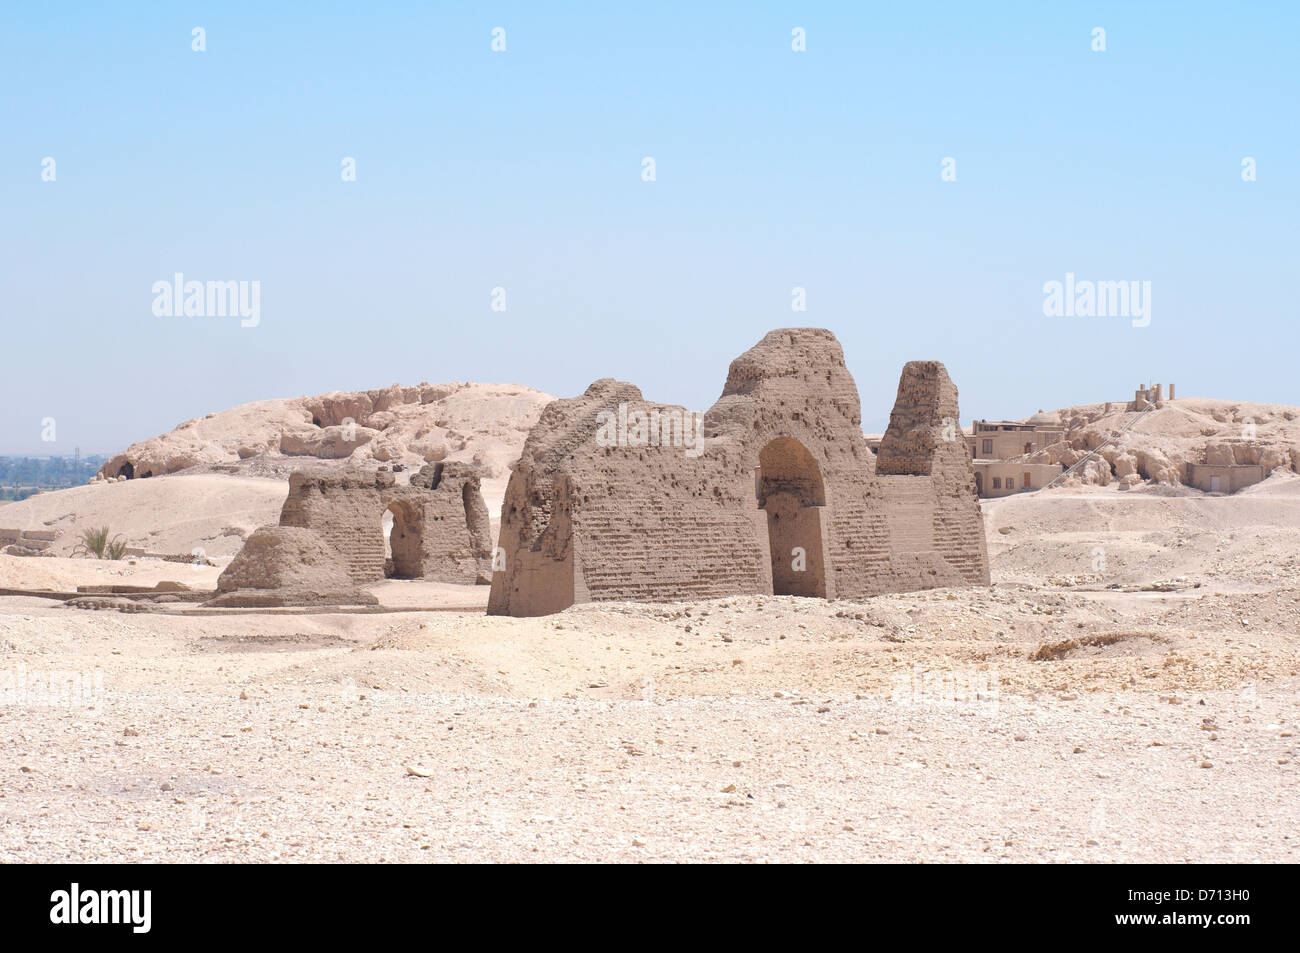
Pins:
x: 790, y: 490
x: 403, y: 538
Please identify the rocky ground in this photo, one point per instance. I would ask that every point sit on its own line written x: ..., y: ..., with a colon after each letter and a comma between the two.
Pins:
x: 1142, y: 707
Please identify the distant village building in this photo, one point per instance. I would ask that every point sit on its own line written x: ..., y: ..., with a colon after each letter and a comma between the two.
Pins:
x: 995, y: 446
x: 1149, y: 394
x: 1003, y: 477
x: 1224, y: 478
x: 1002, y: 439
x: 1001, y: 450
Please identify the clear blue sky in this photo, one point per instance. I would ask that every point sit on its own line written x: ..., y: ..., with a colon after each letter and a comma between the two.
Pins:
x: 522, y: 169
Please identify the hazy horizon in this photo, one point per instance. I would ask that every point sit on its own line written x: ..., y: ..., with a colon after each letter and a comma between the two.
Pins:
x: 882, y: 417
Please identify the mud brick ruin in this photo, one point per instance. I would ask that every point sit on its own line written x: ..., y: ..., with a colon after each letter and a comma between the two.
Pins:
x: 287, y: 566
x: 330, y: 539
x: 785, y: 498
x: 441, y: 529
x: 26, y: 542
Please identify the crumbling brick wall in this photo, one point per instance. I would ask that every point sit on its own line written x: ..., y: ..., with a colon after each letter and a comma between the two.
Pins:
x: 440, y: 527
x: 784, y: 466
x: 926, y: 403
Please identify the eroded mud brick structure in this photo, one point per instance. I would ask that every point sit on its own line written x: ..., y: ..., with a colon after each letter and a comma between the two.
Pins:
x: 784, y: 496
x: 330, y: 538
x: 440, y: 525
x: 287, y: 566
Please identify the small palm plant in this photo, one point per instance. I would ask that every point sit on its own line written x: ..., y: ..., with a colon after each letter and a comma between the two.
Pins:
x: 96, y: 542
x: 93, y: 542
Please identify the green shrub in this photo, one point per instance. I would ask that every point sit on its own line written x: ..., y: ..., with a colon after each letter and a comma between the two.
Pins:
x: 96, y: 542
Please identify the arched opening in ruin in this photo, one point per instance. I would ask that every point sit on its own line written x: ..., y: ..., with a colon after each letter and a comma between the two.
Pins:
x: 790, y: 490
x: 126, y: 470
x: 403, y: 535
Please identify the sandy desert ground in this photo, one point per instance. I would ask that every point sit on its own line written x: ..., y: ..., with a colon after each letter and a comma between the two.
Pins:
x: 1125, y: 691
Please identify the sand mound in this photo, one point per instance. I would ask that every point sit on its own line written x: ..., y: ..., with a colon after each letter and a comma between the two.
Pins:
x: 172, y: 516
x: 1099, y: 536
x: 60, y: 574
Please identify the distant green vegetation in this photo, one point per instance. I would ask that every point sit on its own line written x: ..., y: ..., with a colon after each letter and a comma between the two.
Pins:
x: 21, y: 477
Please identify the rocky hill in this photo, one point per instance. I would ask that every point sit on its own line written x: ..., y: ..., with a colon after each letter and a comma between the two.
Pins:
x: 206, y: 485
x: 1174, y: 433
x: 484, y: 424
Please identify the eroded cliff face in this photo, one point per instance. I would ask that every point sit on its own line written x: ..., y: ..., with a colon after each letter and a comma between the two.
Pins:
x: 783, y: 495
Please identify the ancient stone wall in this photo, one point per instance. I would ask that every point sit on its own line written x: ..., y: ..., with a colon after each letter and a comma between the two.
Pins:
x: 20, y: 542
x: 784, y: 496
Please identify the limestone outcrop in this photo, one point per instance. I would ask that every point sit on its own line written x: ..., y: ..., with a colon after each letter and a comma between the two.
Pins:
x: 1170, y: 437
x: 484, y: 424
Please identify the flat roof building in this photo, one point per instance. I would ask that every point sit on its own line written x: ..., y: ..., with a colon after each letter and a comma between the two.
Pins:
x: 1003, y: 439
x: 995, y: 478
